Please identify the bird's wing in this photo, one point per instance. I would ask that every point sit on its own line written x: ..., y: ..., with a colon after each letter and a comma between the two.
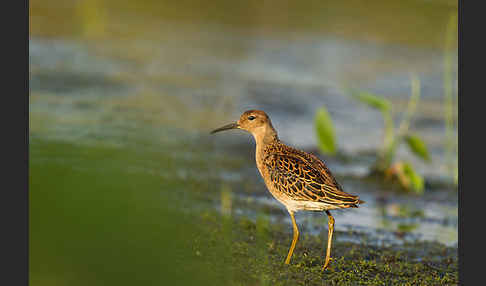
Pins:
x: 302, y: 176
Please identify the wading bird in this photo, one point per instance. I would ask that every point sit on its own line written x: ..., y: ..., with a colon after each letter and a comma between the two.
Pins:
x: 299, y: 180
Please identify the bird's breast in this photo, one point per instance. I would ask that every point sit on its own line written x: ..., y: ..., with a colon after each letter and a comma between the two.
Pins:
x: 265, y: 173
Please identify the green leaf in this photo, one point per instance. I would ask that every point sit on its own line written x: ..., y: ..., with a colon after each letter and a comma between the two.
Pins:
x: 416, y: 181
x: 325, y: 132
x: 372, y: 100
x: 418, y: 147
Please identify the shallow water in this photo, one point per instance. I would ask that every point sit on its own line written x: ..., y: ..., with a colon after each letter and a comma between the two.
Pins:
x: 393, y: 221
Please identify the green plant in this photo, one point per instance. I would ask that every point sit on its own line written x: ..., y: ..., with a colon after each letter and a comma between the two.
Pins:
x: 325, y: 132
x: 385, y: 163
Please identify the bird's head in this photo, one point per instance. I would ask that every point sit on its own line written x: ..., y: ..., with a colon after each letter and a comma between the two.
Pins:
x: 255, y: 122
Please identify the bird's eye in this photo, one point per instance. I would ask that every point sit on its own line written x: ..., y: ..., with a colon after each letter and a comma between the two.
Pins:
x: 251, y: 117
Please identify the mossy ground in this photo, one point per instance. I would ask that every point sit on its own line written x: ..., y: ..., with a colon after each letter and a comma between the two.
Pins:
x: 258, y: 251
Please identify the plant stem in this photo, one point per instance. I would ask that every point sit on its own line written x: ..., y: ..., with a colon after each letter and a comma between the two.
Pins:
x: 392, y: 141
x: 411, y: 107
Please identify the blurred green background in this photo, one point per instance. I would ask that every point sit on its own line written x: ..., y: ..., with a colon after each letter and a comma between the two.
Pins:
x: 126, y: 185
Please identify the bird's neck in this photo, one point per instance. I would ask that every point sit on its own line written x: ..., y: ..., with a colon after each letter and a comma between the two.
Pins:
x: 264, y: 138
x: 267, y: 135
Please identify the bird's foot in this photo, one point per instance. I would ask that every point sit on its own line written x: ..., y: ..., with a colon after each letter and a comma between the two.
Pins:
x: 326, y: 264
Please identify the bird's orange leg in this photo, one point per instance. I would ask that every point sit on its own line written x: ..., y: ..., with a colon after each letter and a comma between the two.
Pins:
x: 294, y: 241
x: 330, y: 223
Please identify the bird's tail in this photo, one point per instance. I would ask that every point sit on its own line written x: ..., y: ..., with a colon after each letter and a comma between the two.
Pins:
x: 356, y: 204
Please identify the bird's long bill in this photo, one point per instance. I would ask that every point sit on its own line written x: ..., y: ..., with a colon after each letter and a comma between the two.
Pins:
x: 233, y: 125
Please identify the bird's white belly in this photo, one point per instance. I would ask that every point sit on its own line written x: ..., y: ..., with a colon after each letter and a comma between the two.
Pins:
x: 293, y: 205
x: 308, y: 206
